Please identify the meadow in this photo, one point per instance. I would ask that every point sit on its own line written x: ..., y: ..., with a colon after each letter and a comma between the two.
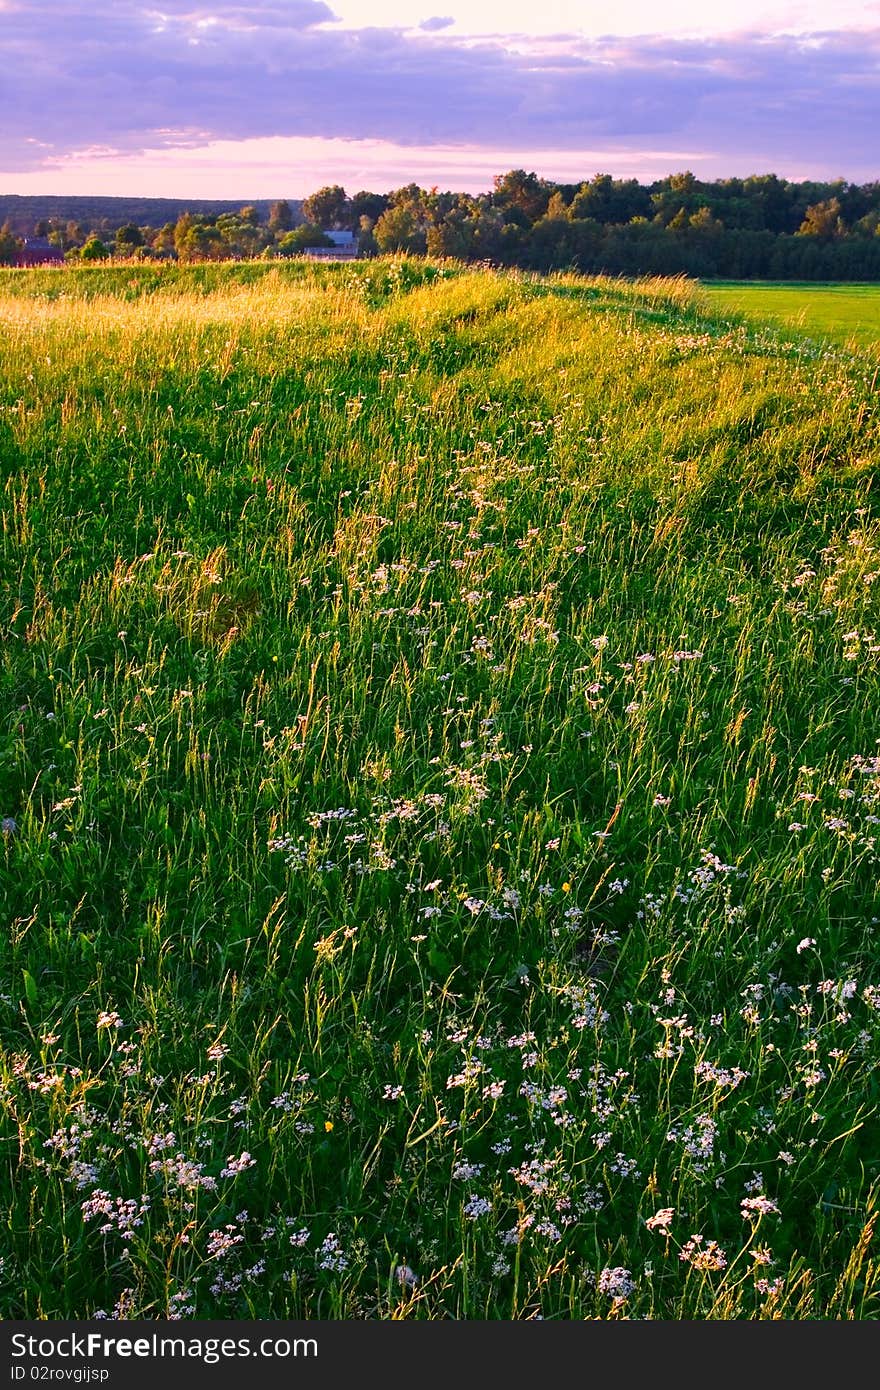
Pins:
x: 845, y: 314
x: 440, y: 788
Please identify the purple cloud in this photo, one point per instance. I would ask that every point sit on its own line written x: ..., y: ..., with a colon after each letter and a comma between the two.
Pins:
x: 436, y: 22
x: 132, y: 78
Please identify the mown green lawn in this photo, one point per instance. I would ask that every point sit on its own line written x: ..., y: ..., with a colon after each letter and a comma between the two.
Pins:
x: 440, y: 800
x: 846, y: 314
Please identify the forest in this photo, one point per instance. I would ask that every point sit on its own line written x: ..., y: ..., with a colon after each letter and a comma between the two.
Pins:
x: 760, y: 227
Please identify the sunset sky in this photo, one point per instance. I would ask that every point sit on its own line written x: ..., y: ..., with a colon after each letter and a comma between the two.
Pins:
x: 216, y: 98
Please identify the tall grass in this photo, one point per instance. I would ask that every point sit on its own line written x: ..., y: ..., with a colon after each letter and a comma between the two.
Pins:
x: 441, y: 785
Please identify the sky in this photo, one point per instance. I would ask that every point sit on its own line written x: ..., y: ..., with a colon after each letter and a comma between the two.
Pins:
x: 274, y: 98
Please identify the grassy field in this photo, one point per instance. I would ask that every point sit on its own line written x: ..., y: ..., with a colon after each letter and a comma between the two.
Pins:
x: 440, y: 786
x: 844, y: 314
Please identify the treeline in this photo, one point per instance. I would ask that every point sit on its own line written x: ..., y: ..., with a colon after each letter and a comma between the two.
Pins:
x: 238, y: 234
x: 21, y: 212
x: 762, y: 227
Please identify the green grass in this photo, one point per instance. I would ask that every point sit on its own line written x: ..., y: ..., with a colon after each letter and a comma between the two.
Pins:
x: 440, y: 756
x: 845, y: 314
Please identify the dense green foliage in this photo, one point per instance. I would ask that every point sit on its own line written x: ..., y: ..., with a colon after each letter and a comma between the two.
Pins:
x: 761, y: 227
x: 440, y: 787
x: 24, y: 211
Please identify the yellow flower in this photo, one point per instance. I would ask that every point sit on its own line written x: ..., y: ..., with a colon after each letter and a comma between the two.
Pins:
x: 328, y: 1125
x: 566, y: 887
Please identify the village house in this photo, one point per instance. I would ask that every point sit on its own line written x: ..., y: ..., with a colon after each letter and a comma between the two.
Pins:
x: 38, y: 251
x: 344, y: 248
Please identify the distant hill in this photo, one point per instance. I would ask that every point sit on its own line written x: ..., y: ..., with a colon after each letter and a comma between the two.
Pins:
x: 22, y: 211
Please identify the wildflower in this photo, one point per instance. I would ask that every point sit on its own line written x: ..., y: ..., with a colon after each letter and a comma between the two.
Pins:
x: 769, y: 1285
x: 8, y: 826
x: 698, y: 1141
x: 331, y: 1255
x: 122, y: 1214
x: 616, y: 1283
x: 406, y: 1276
x: 109, y: 1020
x: 623, y: 1166
x: 706, y: 1257
x: 759, y: 1206
x: 721, y: 1076
x: 805, y: 944
x: 467, y: 1171
x: 220, y: 1242
x: 159, y: 1142
x: 548, y: 1229
x: 475, y: 1207
x: 471, y: 1071
x: 660, y: 1220
x: 234, y: 1165
x: 392, y: 1093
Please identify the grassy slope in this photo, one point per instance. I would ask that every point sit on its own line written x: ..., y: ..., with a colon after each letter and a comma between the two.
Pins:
x: 409, y: 693
x: 846, y: 314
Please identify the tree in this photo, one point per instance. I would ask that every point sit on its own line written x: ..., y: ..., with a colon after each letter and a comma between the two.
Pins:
x: 466, y: 230
x: 705, y: 224
x: 301, y: 238
x: 869, y: 225
x: 401, y: 228
x: 409, y: 193
x: 280, y: 217
x: 9, y: 245
x: 163, y: 241
x: 364, y: 204
x: 326, y: 208
x: 197, y: 239
x: 823, y: 220
x: 557, y: 206
x: 680, y: 193
x: 609, y: 200
x: 241, y: 236
x: 182, y: 229
x: 525, y: 192
x: 127, y: 238
x: 94, y: 250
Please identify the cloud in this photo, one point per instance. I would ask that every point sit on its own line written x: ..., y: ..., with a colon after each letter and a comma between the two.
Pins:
x: 185, y: 73
x: 436, y: 22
